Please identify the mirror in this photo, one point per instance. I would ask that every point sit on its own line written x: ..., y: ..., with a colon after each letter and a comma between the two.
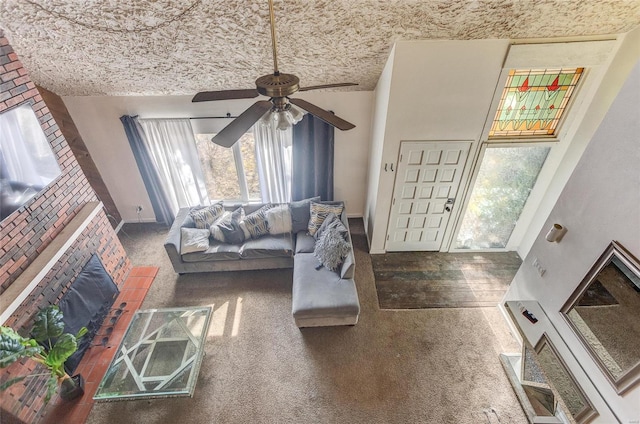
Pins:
x: 604, y: 312
x: 563, y: 382
x: 27, y: 163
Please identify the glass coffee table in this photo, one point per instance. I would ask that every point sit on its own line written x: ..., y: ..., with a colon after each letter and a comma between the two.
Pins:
x: 159, y: 356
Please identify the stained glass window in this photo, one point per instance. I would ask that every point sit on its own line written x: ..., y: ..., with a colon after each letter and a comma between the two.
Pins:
x: 533, y: 102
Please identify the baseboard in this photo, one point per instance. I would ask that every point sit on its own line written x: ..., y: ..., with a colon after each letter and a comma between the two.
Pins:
x: 119, y: 226
x: 141, y: 221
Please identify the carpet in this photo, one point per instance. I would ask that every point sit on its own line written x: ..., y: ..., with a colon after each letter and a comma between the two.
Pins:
x: 421, y: 280
x: 424, y: 366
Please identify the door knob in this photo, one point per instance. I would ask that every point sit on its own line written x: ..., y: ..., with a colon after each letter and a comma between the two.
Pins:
x: 449, y: 204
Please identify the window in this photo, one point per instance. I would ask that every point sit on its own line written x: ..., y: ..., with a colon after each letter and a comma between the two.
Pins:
x: 531, y: 108
x: 505, y: 179
x: 533, y: 102
x: 230, y: 173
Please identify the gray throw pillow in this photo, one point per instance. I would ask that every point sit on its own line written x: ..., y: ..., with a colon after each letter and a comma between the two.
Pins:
x: 233, y: 234
x: 300, y: 213
x: 215, y: 229
x: 331, y: 249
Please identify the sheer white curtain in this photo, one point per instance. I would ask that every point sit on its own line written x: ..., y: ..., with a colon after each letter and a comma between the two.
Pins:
x: 273, y: 154
x: 173, y: 151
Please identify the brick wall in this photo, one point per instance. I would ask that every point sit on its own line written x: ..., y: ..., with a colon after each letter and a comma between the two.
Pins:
x: 29, y: 230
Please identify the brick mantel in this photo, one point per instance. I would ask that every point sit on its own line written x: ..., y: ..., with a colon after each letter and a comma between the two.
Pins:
x: 28, y: 231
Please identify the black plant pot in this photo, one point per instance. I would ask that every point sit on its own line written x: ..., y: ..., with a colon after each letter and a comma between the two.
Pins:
x: 72, y: 388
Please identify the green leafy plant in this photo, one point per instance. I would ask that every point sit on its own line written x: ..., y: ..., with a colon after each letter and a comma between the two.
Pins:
x: 48, y: 330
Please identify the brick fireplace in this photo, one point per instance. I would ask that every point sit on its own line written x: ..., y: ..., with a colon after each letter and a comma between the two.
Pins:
x: 27, y: 233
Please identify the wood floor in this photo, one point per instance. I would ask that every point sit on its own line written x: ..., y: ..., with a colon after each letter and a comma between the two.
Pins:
x: 417, y: 280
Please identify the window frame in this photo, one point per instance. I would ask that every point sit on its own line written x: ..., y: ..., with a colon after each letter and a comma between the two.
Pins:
x: 240, y: 173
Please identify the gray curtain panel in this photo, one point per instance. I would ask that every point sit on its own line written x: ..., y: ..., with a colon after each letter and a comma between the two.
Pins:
x: 159, y: 200
x: 312, y: 168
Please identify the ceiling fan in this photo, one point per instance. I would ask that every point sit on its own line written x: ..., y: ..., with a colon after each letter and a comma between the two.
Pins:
x: 278, y: 87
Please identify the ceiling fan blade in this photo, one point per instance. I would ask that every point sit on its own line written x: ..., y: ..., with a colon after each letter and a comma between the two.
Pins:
x: 206, y: 96
x: 319, y: 87
x: 326, y: 116
x: 232, y: 132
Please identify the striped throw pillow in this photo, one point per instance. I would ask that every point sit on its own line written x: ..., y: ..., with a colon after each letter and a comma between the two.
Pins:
x: 206, y: 216
x: 319, y: 212
x: 256, y: 224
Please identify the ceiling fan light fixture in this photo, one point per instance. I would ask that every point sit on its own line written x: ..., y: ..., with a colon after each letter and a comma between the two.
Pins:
x: 282, y: 119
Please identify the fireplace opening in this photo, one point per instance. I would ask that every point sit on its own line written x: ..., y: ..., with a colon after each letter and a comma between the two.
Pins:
x: 87, y: 303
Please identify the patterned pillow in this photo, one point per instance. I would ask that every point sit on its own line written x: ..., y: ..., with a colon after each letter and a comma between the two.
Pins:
x: 331, y: 221
x: 215, y: 229
x: 319, y: 212
x: 206, y: 216
x: 232, y: 232
x: 331, y: 249
x: 256, y: 224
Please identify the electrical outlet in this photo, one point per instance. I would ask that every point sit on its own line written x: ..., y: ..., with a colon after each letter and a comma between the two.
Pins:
x: 138, y: 209
x: 538, y: 266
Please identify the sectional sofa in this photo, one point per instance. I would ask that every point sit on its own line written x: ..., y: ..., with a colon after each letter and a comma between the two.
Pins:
x: 300, y: 235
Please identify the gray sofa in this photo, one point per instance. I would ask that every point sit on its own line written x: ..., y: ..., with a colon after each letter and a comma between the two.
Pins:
x: 321, y: 297
x: 266, y: 252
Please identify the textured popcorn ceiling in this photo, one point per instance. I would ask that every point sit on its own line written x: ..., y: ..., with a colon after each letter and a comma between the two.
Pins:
x: 115, y: 47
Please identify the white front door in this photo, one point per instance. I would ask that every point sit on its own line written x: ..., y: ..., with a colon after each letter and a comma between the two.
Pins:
x: 427, y: 180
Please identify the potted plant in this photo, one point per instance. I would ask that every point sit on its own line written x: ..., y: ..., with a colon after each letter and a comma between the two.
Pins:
x: 49, y: 346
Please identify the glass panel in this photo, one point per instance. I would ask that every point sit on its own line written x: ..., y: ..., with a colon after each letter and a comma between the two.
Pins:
x: 222, y: 171
x: 506, y: 177
x: 159, y: 355
x: 533, y: 102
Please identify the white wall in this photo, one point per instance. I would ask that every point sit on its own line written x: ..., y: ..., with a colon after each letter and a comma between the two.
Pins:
x: 97, y: 119
x: 443, y: 91
x: 600, y: 203
x: 378, y: 126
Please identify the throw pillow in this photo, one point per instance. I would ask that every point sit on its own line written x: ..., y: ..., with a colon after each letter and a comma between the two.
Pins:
x: 331, y: 221
x: 331, y: 249
x: 193, y: 240
x: 206, y: 216
x: 215, y: 229
x: 300, y: 213
x: 279, y: 220
x: 255, y: 224
x: 233, y: 234
x: 318, y: 213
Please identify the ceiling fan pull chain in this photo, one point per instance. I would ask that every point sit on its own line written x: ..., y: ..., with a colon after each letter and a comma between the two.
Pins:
x: 273, y: 39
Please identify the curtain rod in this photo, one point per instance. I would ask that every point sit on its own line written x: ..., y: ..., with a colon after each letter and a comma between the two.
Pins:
x: 228, y: 116
x: 215, y: 117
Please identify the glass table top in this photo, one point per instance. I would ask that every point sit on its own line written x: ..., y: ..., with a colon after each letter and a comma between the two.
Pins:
x: 159, y: 355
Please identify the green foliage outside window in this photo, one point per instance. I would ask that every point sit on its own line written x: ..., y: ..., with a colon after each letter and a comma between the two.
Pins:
x: 505, y: 179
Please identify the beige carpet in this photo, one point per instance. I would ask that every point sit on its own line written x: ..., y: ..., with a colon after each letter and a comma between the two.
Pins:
x: 417, y: 366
